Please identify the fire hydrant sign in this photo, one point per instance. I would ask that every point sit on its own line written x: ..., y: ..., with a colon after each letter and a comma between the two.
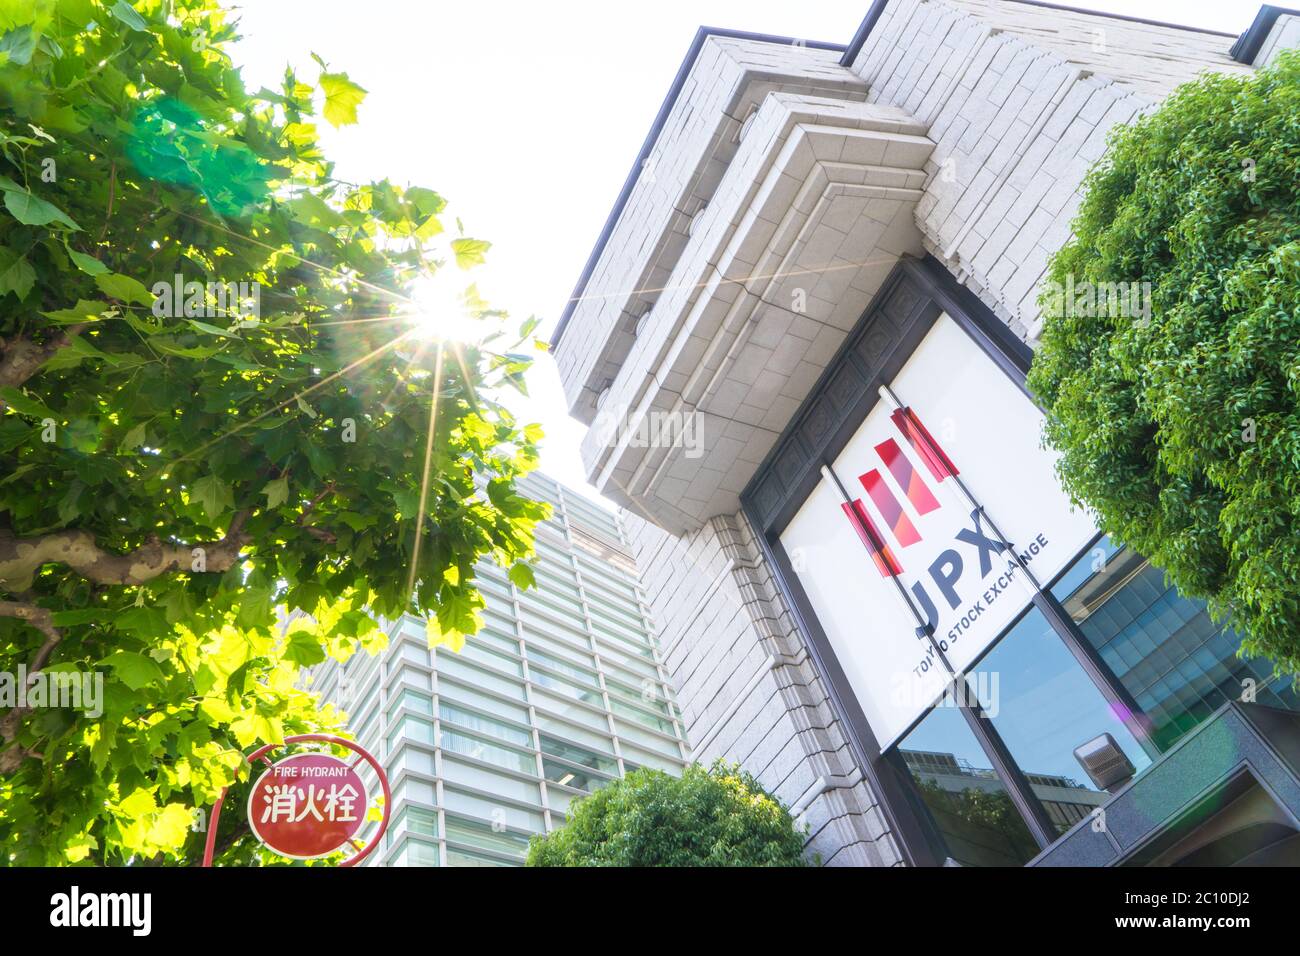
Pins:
x: 307, y: 806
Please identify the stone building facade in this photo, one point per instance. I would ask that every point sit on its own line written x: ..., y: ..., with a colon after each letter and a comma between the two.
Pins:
x: 778, y: 192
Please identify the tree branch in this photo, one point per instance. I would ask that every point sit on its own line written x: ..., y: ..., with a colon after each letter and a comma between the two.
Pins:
x: 22, y: 356
x: 319, y: 533
x: 234, y: 836
x: 20, y: 558
x: 112, y: 189
x: 40, y: 618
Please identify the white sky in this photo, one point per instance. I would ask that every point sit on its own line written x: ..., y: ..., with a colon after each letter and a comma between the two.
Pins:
x: 527, y: 117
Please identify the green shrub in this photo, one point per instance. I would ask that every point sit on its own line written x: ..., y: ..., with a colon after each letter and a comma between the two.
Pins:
x: 1181, y: 428
x: 714, y: 817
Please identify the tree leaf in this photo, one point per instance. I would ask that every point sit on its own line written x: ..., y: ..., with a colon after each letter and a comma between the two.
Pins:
x: 277, y: 492
x: 33, y: 211
x: 24, y: 404
x: 470, y: 252
x: 304, y: 649
x: 134, y: 670
x: 18, y: 45
x: 17, y: 277
x: 214, y: 495
x: 522, y: 575
x: 171, y: 826
x: 79, y: 847
x: 132, y: 439
x: 212, y: 329
x: 128, y: 15
x: 87, y: 264
x: 83, y: 311
x: 342, y: 97
x: 124, y: 289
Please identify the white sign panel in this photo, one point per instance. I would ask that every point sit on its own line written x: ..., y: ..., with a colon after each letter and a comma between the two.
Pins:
x: 952, y: 566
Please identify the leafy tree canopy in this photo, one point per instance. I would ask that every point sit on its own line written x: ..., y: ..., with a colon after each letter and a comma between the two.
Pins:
x: 718, y: 816
x: 215, y: 412
x: 1180, y: 424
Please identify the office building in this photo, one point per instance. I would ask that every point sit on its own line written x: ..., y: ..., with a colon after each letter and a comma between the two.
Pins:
x: 559, y: 693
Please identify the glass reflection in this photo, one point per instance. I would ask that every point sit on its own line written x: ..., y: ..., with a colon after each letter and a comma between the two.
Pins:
x: 1044, y: 706
x: 969, y: 806
x: 1176, y: 662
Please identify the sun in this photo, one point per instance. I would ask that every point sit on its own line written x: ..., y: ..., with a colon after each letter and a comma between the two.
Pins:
x: 442, y: 309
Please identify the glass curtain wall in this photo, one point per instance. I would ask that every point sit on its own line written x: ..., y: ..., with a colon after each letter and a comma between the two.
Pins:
x: 559, y: 693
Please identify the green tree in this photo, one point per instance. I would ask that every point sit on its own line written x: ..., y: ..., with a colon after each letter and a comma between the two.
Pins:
x: 715, y: 817
x: 217, y: 414
x: 1180, y: 424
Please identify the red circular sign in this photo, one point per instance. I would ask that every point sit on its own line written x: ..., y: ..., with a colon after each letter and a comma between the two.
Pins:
x: 307, y: 805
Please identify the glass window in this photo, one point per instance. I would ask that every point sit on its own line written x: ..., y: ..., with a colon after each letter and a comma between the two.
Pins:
x: 412, y: 627
x: 412, y: 759
x: 590, y: 696
x: 627, y: 617
x: 412, y: 728
x: 606, y: 628
x: 559, y: 800
x: 417, y: 820
x: 554, y: 663
x: 453, y: 666
x: 651, y: 695
x: 420, y: 791
x: 571, y: 710
x: 492, y: 590
x: 601, y: 741
x: 507, y: 643
x: 641, y: 717
x: 618, y: 591
x: 416, y: 655
x: 636, y: 665
x: 488, y: 752
x: 970, y: 808
x: 1176, y: 662
x: 558, y: 748
x: 648, y: 759
x: 466, y: 858
x: 474, y: 651
x: 559, y: 650
x: 472, y: 720
x: 481, y: 778
x: 570, y: 776
x: 1044, y: 705
x: 483, y: 702
x: 499, y: 622
x: 412, y: 700
x: 486, y: 837
x: 492, y: 810
x: 370, y: 724
x: 536, y: 623
x: 418, y: 853
x: 628, y: 732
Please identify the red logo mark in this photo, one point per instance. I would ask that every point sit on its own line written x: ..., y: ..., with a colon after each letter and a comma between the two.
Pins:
x: 886, y: 563
x: 910, y: 480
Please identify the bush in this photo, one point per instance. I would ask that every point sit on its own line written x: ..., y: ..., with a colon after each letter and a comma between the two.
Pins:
x: 714, y: 817
x: 1181, y: 427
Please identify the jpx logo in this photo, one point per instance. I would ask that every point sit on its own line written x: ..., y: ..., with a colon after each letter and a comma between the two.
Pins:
x: 947, y: 545
x: 909, y: 481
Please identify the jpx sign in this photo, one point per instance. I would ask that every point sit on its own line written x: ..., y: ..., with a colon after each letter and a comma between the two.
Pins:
x: 907, y: 545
